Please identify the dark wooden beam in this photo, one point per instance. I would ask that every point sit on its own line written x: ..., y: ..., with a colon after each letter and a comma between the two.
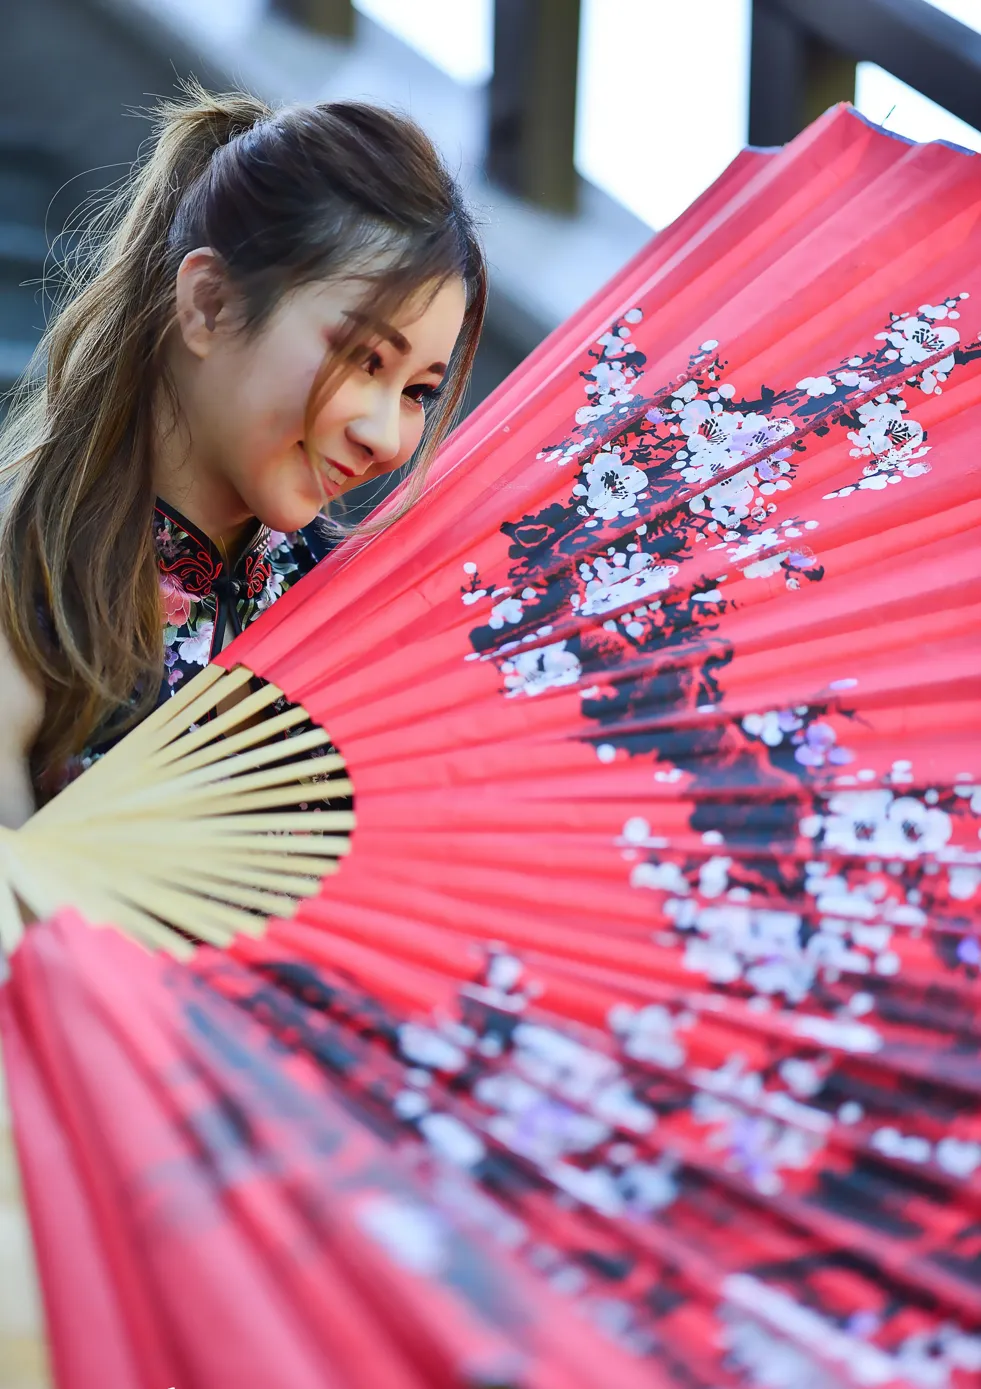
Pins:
x: 776, y: 76
x: 532, y: 121
x: 829, y: 77
x: 795, y: 74
x: 916, y: 42
x: 335, y: 18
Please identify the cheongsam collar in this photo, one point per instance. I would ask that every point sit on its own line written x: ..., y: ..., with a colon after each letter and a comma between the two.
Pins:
x: 193, y: 560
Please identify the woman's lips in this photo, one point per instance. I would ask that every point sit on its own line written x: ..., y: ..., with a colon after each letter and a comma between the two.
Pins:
x: 328, y: 470
x: 334, y: 473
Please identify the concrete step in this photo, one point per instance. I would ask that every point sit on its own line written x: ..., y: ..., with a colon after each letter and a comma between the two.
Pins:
x: 30, y: 175
x: 22, y: 243
x: 23, y: 253
x: 22, y: 310
x: 14, y: 357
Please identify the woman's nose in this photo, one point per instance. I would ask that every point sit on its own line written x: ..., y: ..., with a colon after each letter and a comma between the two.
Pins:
x: 376, y: 432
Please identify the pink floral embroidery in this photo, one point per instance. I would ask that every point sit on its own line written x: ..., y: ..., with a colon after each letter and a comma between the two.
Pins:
x: 176, y: 601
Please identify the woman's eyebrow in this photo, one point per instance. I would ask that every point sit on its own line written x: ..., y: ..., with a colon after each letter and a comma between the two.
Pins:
x: 392, y: 335
x: 398, y: 340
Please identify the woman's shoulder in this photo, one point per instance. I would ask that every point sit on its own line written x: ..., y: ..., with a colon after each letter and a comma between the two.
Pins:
x: 22, y: 703
x: 21, y: 699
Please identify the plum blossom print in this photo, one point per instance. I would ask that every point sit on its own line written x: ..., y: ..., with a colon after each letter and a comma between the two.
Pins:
x: 610, y: 485
x: 832, y: 901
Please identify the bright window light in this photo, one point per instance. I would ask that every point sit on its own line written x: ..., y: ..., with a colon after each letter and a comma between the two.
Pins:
x: 219, y: 20
x: 455, y: 35
x: 663, y: 99
x: 890, y: 103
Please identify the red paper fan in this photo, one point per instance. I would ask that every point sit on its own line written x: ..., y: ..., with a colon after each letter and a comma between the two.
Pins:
x: 656, y: 950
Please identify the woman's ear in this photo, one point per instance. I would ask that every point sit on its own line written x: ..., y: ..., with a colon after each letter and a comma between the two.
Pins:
x: 203, y: 300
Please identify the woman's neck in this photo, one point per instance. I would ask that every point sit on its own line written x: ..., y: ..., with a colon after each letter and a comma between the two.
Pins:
x: 182, y: 477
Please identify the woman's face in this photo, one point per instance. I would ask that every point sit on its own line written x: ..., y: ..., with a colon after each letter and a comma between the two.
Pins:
x: 244, y: 398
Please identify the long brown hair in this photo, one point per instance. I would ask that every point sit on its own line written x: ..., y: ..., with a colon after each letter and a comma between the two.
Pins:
x: 284, y: 197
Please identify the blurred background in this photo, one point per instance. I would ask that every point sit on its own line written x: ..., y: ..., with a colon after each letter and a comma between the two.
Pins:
x: 578, y: 127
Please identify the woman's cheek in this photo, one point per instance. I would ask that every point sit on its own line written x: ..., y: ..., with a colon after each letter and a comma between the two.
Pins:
x: 340, y: 409
x: 410, y: 436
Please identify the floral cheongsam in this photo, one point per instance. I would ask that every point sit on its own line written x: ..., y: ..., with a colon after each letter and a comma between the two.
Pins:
x: 201, y: 598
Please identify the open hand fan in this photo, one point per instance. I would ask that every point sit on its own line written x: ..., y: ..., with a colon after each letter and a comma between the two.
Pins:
x: 644, y: 756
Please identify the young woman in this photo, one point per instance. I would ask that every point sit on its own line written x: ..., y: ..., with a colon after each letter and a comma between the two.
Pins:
x: 283, y: 304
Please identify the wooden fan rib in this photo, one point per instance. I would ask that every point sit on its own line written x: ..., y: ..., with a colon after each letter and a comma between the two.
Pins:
x: 303, y: 823
x: 299, y: 875
x: 207, y: 837
x: 190, y: 792
x: 11, y: 921
x: 115, y: 773
x: 177, y: 719
x: 181, y: 710
x: 181, y: 707
x: 198, y: 748
x: 210, y: 694
x: 277, y: 887
x: 126, y: 895
x: 155, y: 933
x: 254, y: 768
x: 123, y: 764
x: 288, y: 749
x: 226, y: 856
x: 138, y: 902
x: 310, y: 793
x: 227, y: 760
x: 307, y: 782
x: 295, y: 856
x: 44, y: 891
x: 230, y: 890
x: 243, y: 875
x: 144, y: 929
x: 208, y: 920
x: 222, y: 801
x: 34, y: 880
x: 288, y: 878
x: 215, y: 730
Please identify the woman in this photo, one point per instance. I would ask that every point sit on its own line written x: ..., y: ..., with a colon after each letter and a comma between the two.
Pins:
x: 284, y: 304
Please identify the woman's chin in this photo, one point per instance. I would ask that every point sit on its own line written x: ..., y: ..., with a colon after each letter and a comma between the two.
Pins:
x: 289, y: 514
x: 287, y: 499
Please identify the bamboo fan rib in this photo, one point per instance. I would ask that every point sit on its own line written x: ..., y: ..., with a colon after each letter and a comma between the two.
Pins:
x: 220, y: 811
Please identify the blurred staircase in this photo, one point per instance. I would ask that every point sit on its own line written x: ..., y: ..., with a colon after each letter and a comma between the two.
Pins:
x: 29, y: 179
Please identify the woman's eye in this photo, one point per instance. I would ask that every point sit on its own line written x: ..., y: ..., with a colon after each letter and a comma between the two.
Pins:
x: 423, y: 395
x: 371, y: 361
